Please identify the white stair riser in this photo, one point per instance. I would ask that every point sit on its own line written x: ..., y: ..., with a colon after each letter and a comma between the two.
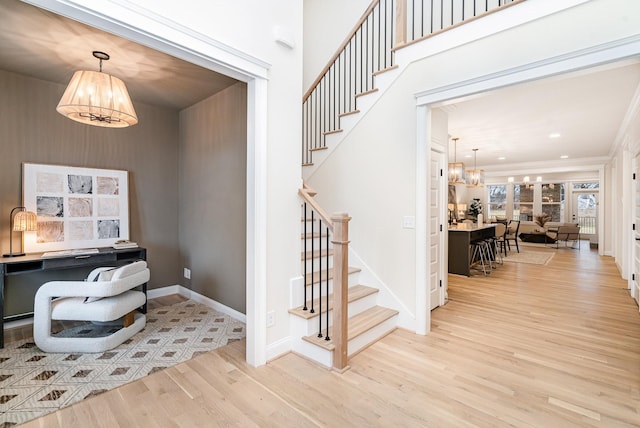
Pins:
x: 349, y: 121
x: 310, y: 326
x: 325, y: 357
x: 372, y: 335
x: 353, y: 280
x: 315, y: 266
x: 313, y: 352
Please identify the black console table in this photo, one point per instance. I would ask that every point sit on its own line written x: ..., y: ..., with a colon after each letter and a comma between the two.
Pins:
x: 20, y: 277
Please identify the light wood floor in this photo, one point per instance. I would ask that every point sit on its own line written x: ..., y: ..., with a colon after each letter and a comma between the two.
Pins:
x: 528, y: 346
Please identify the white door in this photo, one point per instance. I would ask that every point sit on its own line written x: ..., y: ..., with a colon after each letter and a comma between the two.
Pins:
x: 635, y: 280
x: 584, y: 211
x: 435, y: 210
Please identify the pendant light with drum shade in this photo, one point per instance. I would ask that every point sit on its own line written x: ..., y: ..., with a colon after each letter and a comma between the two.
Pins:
x: 98, y: 99
x: 456, y: 169
x: 475, y: 176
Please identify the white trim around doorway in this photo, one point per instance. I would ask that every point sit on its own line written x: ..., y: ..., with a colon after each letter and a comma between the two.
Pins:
x: 140, y: 25
x: 570, y: 62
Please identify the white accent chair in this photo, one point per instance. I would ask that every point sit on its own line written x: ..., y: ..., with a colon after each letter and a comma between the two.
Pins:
x: 105, y: 297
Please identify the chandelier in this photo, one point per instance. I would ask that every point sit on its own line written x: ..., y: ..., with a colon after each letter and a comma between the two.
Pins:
x: 475, y: 176
x: 98, y: 99
x: 456, y: 169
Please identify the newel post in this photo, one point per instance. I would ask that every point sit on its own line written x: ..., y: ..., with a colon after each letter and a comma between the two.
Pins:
x: 401, y: 23
x: 340, y: 243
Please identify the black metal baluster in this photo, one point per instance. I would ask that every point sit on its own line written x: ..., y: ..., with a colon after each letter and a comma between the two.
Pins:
x: 452, y: 12
x: 305, y: 258
x: 327, y: 282
x: 431, y: 16
x: 333, y: 104
x: 421, y: 19
x: 392, y: 33
x: 366, y: 54
x: 320, y: 280
x: 385, y: 35
x: 313, y: 259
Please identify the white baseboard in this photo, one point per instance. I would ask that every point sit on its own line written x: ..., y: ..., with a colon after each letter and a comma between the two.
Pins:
x: 190, y: 294
x: 18, y: 323
x: 279, y: 348
x: 167, y: 291
x: 163, y: 291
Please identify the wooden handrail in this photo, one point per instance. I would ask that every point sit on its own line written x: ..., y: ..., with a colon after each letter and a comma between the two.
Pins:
x: 344, y: 44
x: 403, y: 43
x: 305, y: 194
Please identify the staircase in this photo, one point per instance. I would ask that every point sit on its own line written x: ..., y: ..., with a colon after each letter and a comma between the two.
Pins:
x: 334, y: 316
x: 315, y: 325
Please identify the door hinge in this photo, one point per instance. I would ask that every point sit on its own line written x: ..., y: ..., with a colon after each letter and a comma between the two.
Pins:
x: 441, y: 172
x: 633, y: 277
x: 440, y: 283
x: 634, y: 175
x: 440, y: 228
x: 633, y: 226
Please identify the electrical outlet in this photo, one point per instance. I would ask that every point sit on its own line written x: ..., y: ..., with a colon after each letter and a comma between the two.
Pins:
x: 187, y: 273
x: 271, y: 318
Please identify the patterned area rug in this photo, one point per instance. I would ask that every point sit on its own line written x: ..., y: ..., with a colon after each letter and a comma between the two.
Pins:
x: 34, y: 383
x: 531, y: 257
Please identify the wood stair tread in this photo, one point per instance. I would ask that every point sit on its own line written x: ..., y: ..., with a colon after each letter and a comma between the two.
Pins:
x: 362, y: 94
x: 354, y: 293
x: 384, y: 70
x: 332, y: 131
x: 315, y: 276
x: 358, y: 325
x: 315, y: 255
x: 315, y: 235
x: 315, y: 149
x: 349, y: 113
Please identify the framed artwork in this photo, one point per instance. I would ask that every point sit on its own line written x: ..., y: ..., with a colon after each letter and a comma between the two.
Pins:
x: 76, y: 207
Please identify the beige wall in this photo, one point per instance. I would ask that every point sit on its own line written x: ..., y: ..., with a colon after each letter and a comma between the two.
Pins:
x: 32, y: 131
x: 213, y: 164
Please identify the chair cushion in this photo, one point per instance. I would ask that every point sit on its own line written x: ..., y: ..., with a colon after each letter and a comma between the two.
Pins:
x: 105, y: 309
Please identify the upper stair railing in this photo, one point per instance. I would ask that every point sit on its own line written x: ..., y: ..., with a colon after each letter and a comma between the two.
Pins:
x: 386, y: 26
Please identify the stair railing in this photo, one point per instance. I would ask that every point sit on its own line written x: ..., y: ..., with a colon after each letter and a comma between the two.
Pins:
x: 335, y: 226
x: 386, y: 25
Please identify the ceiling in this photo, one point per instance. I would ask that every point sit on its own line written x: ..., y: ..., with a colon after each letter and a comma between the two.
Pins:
x: 50, y: 47
x: 514, y: 123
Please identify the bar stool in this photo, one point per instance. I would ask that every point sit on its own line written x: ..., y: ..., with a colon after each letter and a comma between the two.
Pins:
x: 480, y: 254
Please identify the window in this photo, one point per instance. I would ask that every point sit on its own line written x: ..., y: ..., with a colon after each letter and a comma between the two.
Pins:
x: 497, y: 201
x: 553, y: 200
x: 523, y: 202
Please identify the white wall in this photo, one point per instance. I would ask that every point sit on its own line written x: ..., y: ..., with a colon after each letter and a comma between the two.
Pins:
x: 371, y: 174
x: 326, y: 25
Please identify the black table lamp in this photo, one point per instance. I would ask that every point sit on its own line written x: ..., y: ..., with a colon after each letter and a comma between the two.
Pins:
x: 22, y: 221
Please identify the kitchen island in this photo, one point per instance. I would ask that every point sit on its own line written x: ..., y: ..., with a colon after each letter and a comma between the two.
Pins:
x: 461, y: 235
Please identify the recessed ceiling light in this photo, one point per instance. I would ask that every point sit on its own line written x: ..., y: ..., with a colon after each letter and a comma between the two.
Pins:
x: 554, y: 135
x: 468, y: 156
x: 564, y: 157
x: 502, y: 158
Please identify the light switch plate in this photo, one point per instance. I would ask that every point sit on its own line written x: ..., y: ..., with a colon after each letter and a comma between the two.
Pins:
x: 409, y: 222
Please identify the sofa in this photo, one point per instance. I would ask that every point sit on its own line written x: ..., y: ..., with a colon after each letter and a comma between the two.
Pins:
x: 531, y: 232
